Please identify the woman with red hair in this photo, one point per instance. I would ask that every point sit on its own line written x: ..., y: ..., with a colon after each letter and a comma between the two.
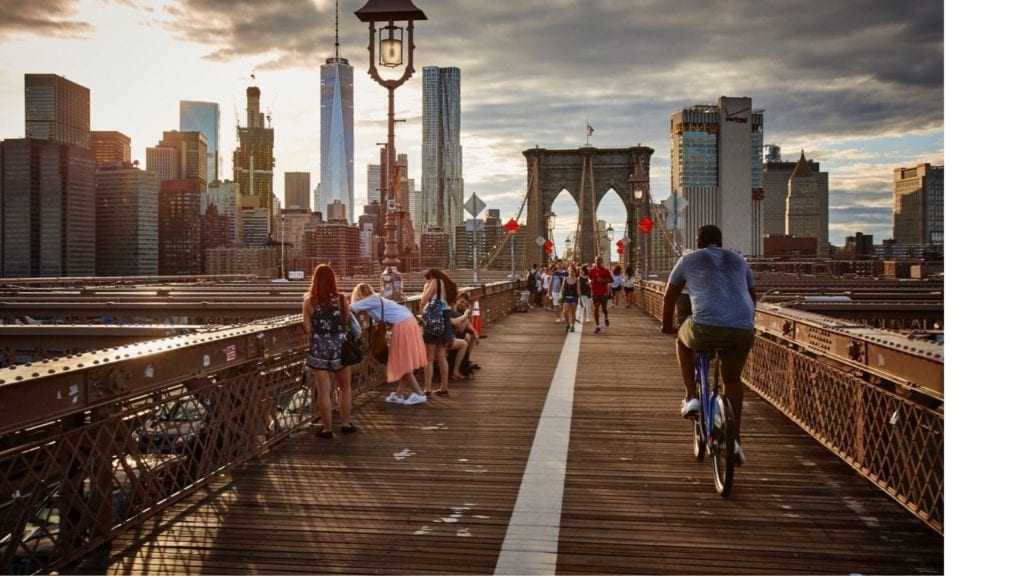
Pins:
x: 325, y: 315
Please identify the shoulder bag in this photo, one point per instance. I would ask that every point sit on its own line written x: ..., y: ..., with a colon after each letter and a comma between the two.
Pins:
x: 353, y: 350
x: 377, y: 334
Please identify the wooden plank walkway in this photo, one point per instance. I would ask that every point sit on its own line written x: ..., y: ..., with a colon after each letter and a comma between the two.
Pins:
x: 432, y: 488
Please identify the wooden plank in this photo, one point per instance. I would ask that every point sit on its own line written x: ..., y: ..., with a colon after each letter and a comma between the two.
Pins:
x: 430, y: 488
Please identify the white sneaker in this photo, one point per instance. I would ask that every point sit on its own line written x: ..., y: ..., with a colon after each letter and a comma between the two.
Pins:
x: 690, y: 408
x: 395, y: 398
x: 741, y: 458
x: 415, y: 398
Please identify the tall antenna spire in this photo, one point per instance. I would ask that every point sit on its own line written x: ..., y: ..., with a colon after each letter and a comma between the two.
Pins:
x: 336, y: 55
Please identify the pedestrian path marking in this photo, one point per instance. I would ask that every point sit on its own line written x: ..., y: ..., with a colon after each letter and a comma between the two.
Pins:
x: 531, y: 542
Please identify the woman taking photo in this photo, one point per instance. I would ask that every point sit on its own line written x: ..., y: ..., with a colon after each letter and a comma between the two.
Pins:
x: 405, y: 352
x: 325, y: 314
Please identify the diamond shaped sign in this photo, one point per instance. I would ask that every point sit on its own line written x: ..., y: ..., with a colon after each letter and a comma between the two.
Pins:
x: 474, y: 205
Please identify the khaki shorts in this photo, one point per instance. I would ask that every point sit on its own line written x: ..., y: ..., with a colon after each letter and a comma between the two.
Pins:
x: 734, y: 343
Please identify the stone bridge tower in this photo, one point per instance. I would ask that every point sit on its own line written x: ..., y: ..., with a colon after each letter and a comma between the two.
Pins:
x: 587, y: 173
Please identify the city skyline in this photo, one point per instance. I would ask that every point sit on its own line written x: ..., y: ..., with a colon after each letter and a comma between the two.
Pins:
x: 858, y: 89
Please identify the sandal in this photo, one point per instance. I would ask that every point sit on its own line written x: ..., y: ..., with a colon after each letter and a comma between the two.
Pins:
x: 457, y: 376
x: 442, y: 392
x: 428, y: 392
x: 325, y: 434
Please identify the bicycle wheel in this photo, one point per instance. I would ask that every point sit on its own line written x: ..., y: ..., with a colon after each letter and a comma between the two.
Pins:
x: 723, y: 450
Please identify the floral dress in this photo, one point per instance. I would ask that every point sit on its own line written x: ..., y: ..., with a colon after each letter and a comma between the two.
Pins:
x: 326, y: 338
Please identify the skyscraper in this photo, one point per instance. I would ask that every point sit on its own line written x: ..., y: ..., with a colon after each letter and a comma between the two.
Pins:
x: 372, y: 183
x: 48, y: 201
x: 716, y: 168
x: 47, y: 185
x: 127, y: 208
x: 441, y: 170
x: 56, y: 109
x: 254, y: 157
x: 110, y: 148
x: 191, y: 147
x: 296, y: 191
x: 337, y: 164
x: 918, y: 204
x: 807, y: 204
x: 203, y: 117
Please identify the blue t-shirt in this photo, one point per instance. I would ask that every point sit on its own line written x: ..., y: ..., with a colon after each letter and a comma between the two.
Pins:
x: 393, y: 312
x: 556, y: 280
x: 719, y: 283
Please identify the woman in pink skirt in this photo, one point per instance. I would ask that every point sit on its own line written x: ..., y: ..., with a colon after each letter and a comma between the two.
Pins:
x: 406, y: 351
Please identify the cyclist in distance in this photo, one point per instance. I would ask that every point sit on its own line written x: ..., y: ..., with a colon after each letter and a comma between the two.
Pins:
x: 721, y: 288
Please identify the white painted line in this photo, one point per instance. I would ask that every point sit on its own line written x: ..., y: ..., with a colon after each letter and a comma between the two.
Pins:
x: 531, y: 542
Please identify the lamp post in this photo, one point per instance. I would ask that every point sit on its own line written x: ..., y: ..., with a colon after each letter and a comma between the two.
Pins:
x: 609, y: 235
x: 638, y: 185
x: 382, y: 15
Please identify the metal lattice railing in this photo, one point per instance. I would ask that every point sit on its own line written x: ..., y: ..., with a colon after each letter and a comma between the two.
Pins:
x: 884, y: 420
x: 895, y: 442
x: 93, y: 444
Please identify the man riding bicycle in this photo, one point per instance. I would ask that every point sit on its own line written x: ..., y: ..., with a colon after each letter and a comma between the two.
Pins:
x: 721, y: 288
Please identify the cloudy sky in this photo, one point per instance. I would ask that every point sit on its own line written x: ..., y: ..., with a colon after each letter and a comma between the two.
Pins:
x: 857, y: 85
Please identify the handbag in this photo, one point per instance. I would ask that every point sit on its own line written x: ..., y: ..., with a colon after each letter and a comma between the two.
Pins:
x: 353, y: 350
x: 434, y: 317
x: 377, y: 334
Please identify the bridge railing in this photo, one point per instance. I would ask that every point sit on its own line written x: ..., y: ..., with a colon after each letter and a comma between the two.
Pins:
x: 872, y: 397
x: 94, y: 443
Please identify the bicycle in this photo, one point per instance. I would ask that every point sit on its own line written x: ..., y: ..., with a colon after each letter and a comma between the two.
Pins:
x: 714, y: 427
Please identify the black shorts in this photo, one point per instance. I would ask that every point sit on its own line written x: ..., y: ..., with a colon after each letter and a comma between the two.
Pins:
x: 600, y: 300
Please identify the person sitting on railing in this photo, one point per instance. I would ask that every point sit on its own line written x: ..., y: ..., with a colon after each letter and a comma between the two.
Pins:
x: 406, y: 352
x: 721, y: 287
x: 325, y: 313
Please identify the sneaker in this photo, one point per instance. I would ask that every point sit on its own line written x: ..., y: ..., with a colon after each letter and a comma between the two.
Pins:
x: 606, y: 321
x: 597, y: 329
x: 395, y: 398
x: 741, y: 458
x: 415, y: 398
x: 690, y: 408
x: 350, y: 429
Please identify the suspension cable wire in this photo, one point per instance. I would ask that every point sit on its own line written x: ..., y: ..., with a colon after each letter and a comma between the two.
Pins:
x: 500, y: 246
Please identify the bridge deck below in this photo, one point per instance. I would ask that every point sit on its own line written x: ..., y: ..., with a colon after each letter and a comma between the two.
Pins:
x: 432, y: 488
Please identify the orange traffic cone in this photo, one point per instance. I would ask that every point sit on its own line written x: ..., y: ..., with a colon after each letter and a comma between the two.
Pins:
x: 478, y: 323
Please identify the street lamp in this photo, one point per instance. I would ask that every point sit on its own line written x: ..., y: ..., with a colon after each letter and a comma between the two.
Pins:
x: 568, y: 246
x: 636, y: 183
x: 382, y: 15
x: 609, y: 234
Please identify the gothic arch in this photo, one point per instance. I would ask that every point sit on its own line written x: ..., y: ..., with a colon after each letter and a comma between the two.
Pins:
x: 588, y: 174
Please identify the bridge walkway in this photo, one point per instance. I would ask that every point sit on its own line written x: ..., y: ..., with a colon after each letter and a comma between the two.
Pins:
x: 611, y: 486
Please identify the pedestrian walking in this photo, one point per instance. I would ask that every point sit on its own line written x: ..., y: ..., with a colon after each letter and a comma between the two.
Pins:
x: 570, y: 298
x: 600, y: 281
x: 628, y: 283
x: 585, y: 310
x: 616, y: 285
